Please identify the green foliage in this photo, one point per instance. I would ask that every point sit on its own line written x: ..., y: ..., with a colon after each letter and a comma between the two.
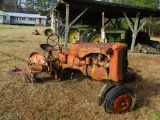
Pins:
x: 11, y: 5
x: 42, y: 5
x: 39, y: 6
x: 157, y: 23
x: 1, y: 4
x: 141, y: 3
x: 110, y: 39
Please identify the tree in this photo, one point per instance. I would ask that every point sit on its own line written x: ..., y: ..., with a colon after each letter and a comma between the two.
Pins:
x: 142, y: 3
x: 30, y: 6
x: 39, y: 6
x: 11, y: 5
x: 1, y: 4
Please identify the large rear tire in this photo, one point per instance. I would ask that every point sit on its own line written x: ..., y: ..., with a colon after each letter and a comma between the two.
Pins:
x: 94, y: 37
x: 62, y: 33
x: 84, y: 35
x: 73, y: 35
x: 119, y: 99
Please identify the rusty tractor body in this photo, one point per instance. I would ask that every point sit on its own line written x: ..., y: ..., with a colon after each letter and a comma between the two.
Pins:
x: 100, y: 61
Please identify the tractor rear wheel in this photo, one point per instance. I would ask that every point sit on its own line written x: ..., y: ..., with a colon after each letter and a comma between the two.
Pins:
x: 119, y: 99
x: 73, y: 35
x: 94, y: 37
x: 62, y: 33
x: 84, y: 35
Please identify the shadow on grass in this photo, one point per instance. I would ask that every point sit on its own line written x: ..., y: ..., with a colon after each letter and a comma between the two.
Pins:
x: 145, y: 90
x: 66, y: 75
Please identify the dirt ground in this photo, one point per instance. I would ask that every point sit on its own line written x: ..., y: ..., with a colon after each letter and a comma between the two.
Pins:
x: 155, y: 38
x: 75, y: 99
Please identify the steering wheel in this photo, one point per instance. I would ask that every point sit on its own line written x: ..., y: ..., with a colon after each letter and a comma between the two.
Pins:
x: 53, y: 39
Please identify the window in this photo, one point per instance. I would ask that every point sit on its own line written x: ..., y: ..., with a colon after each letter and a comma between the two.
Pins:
x: 31, y: 19
x: 4, y: 17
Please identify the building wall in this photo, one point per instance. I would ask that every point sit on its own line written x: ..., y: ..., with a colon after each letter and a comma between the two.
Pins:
x: 6, y: 19
x: 29, y: 21
x: 1, y: 19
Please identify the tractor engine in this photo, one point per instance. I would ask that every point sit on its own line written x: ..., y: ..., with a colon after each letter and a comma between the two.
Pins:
x: 98, y: 60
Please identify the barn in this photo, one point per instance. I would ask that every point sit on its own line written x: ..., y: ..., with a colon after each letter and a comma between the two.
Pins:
x: 22, y: 19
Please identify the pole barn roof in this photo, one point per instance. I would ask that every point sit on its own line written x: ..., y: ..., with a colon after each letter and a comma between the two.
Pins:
x: 111, y: 10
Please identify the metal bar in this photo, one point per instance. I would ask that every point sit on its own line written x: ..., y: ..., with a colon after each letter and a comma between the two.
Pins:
x: 66, y: 26
x: 78, y: 17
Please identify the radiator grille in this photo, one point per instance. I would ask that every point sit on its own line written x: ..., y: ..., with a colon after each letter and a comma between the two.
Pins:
x: 122, y: 62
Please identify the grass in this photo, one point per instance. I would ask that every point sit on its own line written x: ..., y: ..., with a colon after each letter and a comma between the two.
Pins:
x: 70, y: 99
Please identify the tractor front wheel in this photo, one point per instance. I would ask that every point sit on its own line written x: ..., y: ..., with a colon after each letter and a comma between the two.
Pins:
x: 119, y: 99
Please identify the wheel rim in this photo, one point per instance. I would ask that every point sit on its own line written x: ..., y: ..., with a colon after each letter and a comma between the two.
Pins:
x: 96, y: 38
x: 123, y: 103
x: 73, y: 36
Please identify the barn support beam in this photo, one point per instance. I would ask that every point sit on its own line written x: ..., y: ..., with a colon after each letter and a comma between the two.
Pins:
x: 134, y: 34
x: 53, y: 19
x: 58, y: 23
x: 135, y: 29
x: 103, y: 29
x: 85, y: 10
x: 66, y: 26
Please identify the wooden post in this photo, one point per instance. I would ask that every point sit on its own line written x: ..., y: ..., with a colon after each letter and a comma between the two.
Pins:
x: 66, y: 26
x: 102, y: 29
x: 134, y: 35
x: 136, y: 28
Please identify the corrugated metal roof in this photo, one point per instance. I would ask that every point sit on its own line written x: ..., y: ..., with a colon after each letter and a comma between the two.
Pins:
x: 112, y: 10
x: 25, y: 15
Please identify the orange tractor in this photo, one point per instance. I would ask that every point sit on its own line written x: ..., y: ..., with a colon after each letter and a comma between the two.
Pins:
x: 100, y: 61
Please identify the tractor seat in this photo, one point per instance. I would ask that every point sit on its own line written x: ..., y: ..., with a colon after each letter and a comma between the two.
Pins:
x: 47, y: 47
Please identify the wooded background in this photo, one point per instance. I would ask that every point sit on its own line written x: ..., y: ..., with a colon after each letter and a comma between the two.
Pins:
x: 43, y: 6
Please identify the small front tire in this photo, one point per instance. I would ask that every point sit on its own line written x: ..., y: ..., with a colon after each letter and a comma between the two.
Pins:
x: 119, y: 99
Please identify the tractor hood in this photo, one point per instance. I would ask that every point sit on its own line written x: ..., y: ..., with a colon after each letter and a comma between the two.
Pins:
x: 81, y: 49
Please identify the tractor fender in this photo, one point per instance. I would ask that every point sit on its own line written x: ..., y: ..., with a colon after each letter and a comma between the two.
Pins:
x: 37, y: 58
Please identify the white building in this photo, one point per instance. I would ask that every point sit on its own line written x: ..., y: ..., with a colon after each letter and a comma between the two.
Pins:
x: 22, y: 18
